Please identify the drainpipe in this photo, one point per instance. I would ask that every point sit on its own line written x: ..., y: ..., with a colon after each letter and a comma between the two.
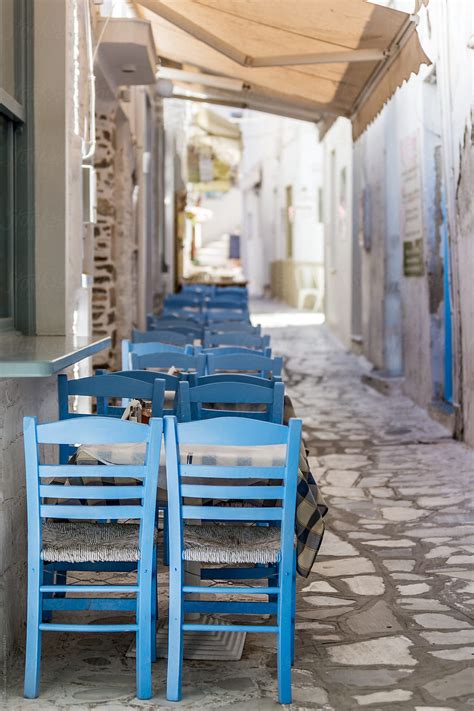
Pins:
x: 450, y: 182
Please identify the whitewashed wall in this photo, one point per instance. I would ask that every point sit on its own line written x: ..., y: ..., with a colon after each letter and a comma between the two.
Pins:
x: 278, y: 152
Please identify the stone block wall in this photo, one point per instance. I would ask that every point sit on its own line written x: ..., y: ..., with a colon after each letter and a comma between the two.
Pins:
x: 114, y: 302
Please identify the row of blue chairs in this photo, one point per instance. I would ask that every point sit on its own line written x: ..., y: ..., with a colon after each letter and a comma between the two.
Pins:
x: 231, y: 368
x: 66, y: 535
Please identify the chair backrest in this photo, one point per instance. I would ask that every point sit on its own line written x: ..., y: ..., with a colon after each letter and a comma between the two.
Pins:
x: 223, y: 302
x: 110, y: 386
x: 236, y: 338
x: 237, y: 290
x: 148, y: 376
x: 189, y: 328
x: 226, y: 315
x: 167, y: 360
x: 185, y: 315
x: 234, y: 326
x: 244, y: 362
x: 273, y: 484
x: 144, y: 348
x: 130, y: 501
x: 192, y: 401
x: 165, y: 336
x: 231, y: 350
x: 183, y: 301
x: 251, y: 379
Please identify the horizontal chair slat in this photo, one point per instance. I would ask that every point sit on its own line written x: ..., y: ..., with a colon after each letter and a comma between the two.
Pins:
x: 232, y: 492
x: 91, y: 470
x: 52, y: 627
x: 226, y: 607
x: 90, y: 603
x: 229, y: 590
x: 91, y: 492
x: 92, y: 512
x: 222, y: 513
x: 229, y: 628
x: 213, y: 471
x: 89, y: 588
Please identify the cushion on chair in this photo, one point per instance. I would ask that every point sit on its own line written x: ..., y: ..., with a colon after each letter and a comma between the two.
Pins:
x: 85, y: 542
x: 221, y: 543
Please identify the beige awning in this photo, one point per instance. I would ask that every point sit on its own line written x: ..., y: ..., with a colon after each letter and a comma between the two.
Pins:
x: 310, y: 59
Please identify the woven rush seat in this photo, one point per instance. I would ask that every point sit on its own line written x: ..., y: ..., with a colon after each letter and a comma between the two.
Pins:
x: 223, y: 543
x: 85, y: 542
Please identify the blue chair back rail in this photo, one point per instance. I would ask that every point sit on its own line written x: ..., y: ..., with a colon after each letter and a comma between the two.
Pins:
x: 145, y: 348
x: 245, y: 362
x: 235, y: 338
x: 238, y: 290
x: 192, y: 401
x: 136, y: 501
x: 233, y: 350
x: 189, y: 328
x: 192, y: 301
x: 234, y: 326
x: 273, y: 495
x: 250, y: 379
x: 165, y: 359
x: 174, y: 338
x: 184, y: 315
x: 220, y: 315
x: 223, y: 302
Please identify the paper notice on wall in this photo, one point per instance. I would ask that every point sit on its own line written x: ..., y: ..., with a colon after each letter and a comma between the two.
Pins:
x: 411, y: 223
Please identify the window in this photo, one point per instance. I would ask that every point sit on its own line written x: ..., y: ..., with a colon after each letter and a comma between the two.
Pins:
x: 6, y: 220
x: 16, y: 167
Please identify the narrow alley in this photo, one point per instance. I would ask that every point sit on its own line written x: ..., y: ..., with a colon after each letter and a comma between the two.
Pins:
x: 385, y: 618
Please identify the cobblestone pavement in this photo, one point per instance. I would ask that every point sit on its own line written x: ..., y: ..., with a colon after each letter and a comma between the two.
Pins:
x: 384, y: 622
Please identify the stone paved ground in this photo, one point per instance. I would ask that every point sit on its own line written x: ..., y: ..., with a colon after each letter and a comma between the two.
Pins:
x: 384, y: 622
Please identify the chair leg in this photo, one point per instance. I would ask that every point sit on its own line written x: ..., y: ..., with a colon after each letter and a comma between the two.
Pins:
x: 166, y: 543
x: 154, y: 606
x: 33, y: 633
x: 175, y: 636
x: 293, y: 615
x: 284, y: 638
x: 144, y: 605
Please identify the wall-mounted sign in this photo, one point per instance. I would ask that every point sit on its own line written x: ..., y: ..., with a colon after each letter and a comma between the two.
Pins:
x: 413, y: 260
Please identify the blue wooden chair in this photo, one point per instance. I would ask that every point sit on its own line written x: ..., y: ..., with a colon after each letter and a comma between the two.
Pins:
x: 116, y: 386
x: 69, y: 535
x: 192, y: 401
x: 233, y: 326
x: 232, y: 350
x: 245, y: 362
x: 225, y: 538
x: 173, y: 338
x: 234, y: 290
x: 165, y: 359
x: 171, y: 383
x: 235, y: 339
x: 145, y: 348
x: 227, y: 302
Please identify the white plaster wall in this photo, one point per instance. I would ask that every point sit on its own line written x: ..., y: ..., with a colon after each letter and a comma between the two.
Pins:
x: 226, y: 215
x: 278, y: 152
x: 338, y: 227
x: 18, y: 397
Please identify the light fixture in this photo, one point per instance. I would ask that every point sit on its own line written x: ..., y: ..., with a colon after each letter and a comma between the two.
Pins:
x: 164, y: 88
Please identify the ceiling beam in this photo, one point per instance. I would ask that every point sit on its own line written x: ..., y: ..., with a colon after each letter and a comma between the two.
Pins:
x: 196, y: 31
x: 220, y: 82
x: 354, y: 55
